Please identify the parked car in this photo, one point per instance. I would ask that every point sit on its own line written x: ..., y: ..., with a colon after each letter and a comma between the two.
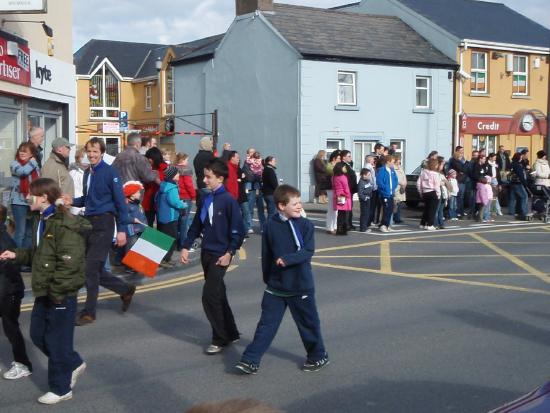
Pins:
x: 413, y: 197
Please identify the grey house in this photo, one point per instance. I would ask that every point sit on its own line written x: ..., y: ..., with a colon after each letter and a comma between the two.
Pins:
x: 291, y: 80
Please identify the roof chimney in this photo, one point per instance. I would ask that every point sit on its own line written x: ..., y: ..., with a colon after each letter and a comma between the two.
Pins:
x: 250, y: 6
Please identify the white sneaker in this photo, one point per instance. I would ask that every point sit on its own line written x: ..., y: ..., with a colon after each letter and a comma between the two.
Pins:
x: 17, y: 371
x: 430, y: 228
x: 390, y: 229
x: 250, y: 231
x: 422, y: 226
x: 213, y: 349
x: 76, y: 373
x: 384, y: 228
x: 52, y: 398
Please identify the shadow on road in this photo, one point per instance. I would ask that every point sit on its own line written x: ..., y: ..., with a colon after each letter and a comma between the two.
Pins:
x: 384, y: 396
x: 503, y: 325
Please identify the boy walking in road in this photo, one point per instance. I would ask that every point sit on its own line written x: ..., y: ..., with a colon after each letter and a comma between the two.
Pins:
x: 287, y: 247
x: 219, y: 220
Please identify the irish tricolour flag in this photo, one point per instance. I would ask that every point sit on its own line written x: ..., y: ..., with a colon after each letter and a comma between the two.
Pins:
x: 148, y: 251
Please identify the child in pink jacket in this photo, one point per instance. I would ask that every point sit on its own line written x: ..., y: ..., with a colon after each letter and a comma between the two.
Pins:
x: 484, y: 198
x: 342, y: 197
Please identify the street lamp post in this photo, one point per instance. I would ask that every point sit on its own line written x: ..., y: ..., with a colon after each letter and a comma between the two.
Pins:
x: 158, y: 65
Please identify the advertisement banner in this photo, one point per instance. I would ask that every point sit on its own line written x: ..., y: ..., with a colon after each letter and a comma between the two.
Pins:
x: 15, y: 63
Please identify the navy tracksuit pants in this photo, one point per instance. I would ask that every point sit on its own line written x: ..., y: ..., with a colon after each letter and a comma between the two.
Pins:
x: 304, y: 313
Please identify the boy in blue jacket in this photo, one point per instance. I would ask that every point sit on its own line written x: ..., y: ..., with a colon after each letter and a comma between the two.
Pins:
x: 169, y: 205
x: 220, y: 222
x: 287, y: 247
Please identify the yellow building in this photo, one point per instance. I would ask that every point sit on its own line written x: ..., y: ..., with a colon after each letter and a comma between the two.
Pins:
x: 118, y: 92
x: 502, y: 94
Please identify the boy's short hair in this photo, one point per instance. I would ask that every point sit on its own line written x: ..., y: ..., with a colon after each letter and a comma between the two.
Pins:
x: 218, y: 168
x: 365, y: 171
x: 283, y: 193
x: 3, y: 213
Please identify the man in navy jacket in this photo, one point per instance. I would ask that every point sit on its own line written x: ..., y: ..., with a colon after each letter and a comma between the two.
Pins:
x: 104, y: 202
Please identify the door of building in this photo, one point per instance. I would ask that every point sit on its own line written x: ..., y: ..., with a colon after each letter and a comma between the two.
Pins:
x: 51, y: 125
x: 8, y: 143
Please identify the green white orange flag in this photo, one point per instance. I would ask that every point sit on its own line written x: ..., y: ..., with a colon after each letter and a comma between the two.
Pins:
x: 148, y: 251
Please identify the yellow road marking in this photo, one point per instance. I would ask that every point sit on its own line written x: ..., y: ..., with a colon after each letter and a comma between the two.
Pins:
x: 429, y: 256
x: 198, y: 276
x: 407, y: 241
x: 345, y: 247
x: 436, y: 278
x: 385, y: 256
x: 242, y: 254
x: 522, y: 264
x: 500, y: 274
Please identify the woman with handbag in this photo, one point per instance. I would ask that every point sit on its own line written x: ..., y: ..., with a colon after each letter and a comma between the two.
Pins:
x: 341, y: 197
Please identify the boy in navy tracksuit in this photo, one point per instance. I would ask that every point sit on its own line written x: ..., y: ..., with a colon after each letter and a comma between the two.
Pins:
x: 219, y: 220
x: 287, y: 247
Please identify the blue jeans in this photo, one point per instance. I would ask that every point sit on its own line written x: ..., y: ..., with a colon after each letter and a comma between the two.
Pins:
x: 258, y: 201
x: 453, y: 206
x: 397, y: 214
x: 387, y: 210
x: 270, y: 204
x: 303, y: 311
x: 247, y: 219
x: 52, y: 331
x: 184, y: 221
x: 460, y: 199
x: 23, y: 226
x: 517, y: 193
x: 487, y: 211
x: 439, y: 213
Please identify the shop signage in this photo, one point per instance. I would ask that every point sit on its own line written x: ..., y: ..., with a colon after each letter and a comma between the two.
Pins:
x: 111, y: 127
x: 485, y: 125
x: 14, y: 63
x: 50, y: 74
x: 23, y: 6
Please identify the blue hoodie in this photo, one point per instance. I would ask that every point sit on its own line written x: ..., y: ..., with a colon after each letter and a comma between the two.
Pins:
x: 168, y: 202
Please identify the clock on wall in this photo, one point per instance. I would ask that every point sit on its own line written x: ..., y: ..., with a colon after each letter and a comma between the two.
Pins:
x: 527, y: 122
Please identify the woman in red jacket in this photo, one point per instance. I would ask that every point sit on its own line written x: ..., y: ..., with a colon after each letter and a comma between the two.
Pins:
x: 154, y: 155
x: 187, y: 195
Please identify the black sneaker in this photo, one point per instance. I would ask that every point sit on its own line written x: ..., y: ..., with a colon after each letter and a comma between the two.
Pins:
x: 247, y: 368
x: 316, y: 365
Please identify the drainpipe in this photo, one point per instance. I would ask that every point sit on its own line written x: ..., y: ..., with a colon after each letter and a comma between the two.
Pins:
x: 460, y: 88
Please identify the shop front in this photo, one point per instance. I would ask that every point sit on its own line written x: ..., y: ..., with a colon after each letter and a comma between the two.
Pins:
x: 526, y: 129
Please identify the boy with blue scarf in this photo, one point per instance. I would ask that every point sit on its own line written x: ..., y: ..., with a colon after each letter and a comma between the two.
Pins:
x: 220, y: 222
x: 287, y: 247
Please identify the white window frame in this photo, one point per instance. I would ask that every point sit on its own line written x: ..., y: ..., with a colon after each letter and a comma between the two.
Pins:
x: 353, y: 85
x: 518, y: 73
x: 148, y: 92
x: 104, y: 108
x: 339, y: 142
x: 428, y: 90
x: 169, y: 85
x: 475, y: 71
x: 488, y: 148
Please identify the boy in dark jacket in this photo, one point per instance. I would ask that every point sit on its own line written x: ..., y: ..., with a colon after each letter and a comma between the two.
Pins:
x: 219, y: 220
x: 364, y: 192
x: 12, y: 290
x: 287, y: 247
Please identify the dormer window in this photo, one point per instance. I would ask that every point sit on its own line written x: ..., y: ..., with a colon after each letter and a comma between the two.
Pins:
x: 104, y: 94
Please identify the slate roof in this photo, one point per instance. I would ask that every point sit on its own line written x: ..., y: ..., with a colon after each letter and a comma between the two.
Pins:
x: 339, y: 35
x: 481, y: 20
x: 198, y: 49
x: 127, y: 57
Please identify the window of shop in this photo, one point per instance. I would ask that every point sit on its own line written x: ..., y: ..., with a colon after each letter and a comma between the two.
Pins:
x: 520, y: 76
x: 148, y: 97
x: 104, y: 94
x: 112, y: 144
x: 347, y: 95
x: 478, y: 81
x: 8, y: 143
x: 487, y: 142
x: 423, y: 92
x: 169, y: 104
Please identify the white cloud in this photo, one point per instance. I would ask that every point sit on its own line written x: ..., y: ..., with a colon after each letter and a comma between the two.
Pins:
x: 170, y: 22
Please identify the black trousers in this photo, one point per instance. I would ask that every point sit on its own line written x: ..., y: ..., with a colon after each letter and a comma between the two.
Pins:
x: 365, y: 218
x: 170, y: 229
x: 214, y: 301
x: 10, y: 308
x: 342, y: 222
x: 98, y: 244
x: 350, y: 217
x: 431, y: 203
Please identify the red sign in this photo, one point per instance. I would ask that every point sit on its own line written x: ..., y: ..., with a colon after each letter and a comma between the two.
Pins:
x: 485, y: 125
x: 15, y: 63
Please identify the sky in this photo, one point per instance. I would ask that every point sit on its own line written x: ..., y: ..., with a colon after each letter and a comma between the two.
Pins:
x: 173, y: 22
